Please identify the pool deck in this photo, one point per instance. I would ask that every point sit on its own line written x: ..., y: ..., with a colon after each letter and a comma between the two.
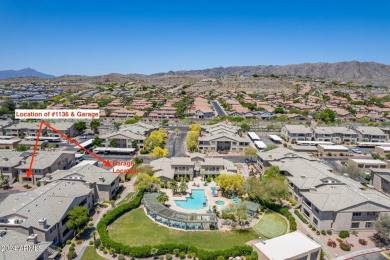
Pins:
x: 208, y: 192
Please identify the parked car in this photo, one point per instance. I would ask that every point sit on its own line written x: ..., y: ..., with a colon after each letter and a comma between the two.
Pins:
x: 247, y: 160
x: 355, y: 150
x: 83, y: 137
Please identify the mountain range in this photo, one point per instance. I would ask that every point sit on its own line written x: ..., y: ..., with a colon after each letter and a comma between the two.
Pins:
x: 361, y: 72
x: 23, y: 73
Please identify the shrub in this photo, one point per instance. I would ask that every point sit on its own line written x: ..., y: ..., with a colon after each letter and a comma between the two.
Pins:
x: 208, y: 179
x: 318, y: 232
x: 310, y: 225
x: 68, y: 242
x: 97, y: 243
x: 71, y: 255
x: 329, y: 232
x: 168, y: 257
x: 138, y: 160
x: 323, y: 232
x: 313, y: 228
x: 331, y: 243
x: 144, y: 151
x: 90, y: 224
x: 339, y: 240
x: 345, y: 247
x: 220, y: 258
x: 105, y: 251
x: 90, y: 242
x: 302, y: 218
x: 182, y: 255
x: 78, y: 242
x: 176, y: 251
x: 344, y: 234
x: 73, y: 244
x: 121, y: 257
x: 362, y: 241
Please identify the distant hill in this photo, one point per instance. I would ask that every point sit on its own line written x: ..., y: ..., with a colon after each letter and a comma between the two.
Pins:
x: 23, y: 73
x: 363, y: 72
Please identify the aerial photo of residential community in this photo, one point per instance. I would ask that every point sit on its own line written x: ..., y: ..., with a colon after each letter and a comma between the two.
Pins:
x: 136, y: 144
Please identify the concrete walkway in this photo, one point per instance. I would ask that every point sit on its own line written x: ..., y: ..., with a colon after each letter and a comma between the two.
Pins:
x: 103, y: 211
x: 361, y: 253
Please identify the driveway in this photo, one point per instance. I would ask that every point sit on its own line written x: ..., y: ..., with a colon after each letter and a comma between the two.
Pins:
x: 176, y: 144
x: 218, y: 108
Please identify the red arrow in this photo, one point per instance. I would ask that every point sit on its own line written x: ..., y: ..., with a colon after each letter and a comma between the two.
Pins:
x: 29, y: 171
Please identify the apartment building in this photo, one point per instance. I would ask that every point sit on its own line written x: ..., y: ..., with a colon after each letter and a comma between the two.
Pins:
x: 294, y: 133
x: 128, y: 135
x: 43, y: 211
x: 328, y: 201
x: 23, y: 129
x: 367, y: 163
x: 195, y: 165
x: 201, y: 108
x: 9, y: 160
x: 222, y: 137
x: 382, y: 150
x: 371, y: 134
x: 67, y: 128
x: 104, y: 183
x: 45, y: 162
x: 380, y: 179
x: 336, y: 135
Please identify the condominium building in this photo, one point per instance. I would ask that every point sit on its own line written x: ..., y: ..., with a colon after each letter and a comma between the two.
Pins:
x: 336, y: 135
x: 371, y: 134
x: 380, y: 179
x: 294, y: 133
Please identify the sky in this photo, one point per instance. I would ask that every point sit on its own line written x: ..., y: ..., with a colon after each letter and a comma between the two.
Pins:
x: 86, y: 37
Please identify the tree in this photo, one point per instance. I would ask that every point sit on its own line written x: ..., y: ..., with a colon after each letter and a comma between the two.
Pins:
x: 273, y: 185
x: 174, y: 187
x: 232, y: 184
x: 238, y: 210
x: 78, y: 219
x: 21, y: 148
x: 134, y: 144
x: 117, y: 125
x: 177, y: 131
x: 382, y: 226
x: 162, y: 198
x: 183, y: 187
x: 81, y: 126
x: 154, y: 251
x: 94, y: 125
x: 192, y: 140
x: 156, y: 138
x: 251, y: 187
x: 195, y: 127
x: 113, y: 143
x: 4, y: 182
x: 327, y: 115
x: 159, y: 152
x: 245, y: 127
x: 270, y: 147
x: 146, y: 182
x: 250, y: 152
x: 146, y: 169
x: 278, y: 110
x: 97, y: 141
x: 353, y: 172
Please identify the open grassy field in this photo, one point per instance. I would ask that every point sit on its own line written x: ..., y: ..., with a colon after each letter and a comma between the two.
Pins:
x: 135, y: 228
x: 90, y: 254
x: 271, y: 225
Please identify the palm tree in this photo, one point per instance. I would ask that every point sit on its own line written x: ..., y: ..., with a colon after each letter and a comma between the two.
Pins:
x: 183, y: 187
x: 162, y: 198
x: 174, y: 187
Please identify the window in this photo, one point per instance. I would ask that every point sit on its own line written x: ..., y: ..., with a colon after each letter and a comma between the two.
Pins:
x: 316, y: 210
x: 307, y: 214
x: 357, y: 214
x: 5, y: 169
x: 315, y: 221
x: 371, y: 213
x: 355, y: 225
x: 369, y: 224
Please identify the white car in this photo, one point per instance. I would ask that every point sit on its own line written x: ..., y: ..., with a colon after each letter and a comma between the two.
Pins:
x: 356, y: 150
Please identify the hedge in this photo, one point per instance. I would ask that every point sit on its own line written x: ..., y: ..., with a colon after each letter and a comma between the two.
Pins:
x: 301, y: 217
x: 167, y: 248
x: 283, y: 211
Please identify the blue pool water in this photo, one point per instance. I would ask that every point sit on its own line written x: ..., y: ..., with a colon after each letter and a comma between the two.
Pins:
x: 195, y: 202
x: 220, y: 202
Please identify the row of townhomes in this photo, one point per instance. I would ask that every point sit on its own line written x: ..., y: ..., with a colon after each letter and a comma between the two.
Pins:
x: 129, y: 135
x: 222, y: 137
x: 327, y: 200
x: 15, y: 164
x: 337, y: 135
x: 195, y: 165
x: 25, y: 129
x: 39, y: 217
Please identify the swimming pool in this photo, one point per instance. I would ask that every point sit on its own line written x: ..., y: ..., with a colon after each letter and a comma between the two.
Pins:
x: 195, y: 202
x: 220, y: 202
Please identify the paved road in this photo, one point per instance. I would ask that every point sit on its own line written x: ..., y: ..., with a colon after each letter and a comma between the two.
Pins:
x: 176, y: 144
x: 218, y: 108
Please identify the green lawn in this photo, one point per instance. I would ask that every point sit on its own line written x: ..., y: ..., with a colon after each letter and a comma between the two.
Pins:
x: 90, y: 254
x: 135, y: 228
x: 271, y: 225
